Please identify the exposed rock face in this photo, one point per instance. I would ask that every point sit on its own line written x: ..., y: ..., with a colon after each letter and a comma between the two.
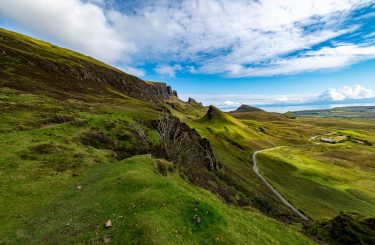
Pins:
x: 203, y: 148
x: 200, y: 152
x: 61, y: 72
x: 212, y: 111
x: 193, y: 102
x: 247, y: 108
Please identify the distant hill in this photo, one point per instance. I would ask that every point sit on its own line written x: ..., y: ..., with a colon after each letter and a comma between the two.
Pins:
x: 247, y: 108
x: 341, y: 112
x: 254, y: 113
x: 290, y: 115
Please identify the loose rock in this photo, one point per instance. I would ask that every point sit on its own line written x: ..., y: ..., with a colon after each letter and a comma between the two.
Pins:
x: 108, y: 224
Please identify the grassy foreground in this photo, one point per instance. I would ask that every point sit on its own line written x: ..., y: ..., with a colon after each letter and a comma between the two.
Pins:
x: 144, y: 206
x: 58, y: 188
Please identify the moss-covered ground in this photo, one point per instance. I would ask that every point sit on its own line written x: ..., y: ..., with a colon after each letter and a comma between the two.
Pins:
x: 60, y: 186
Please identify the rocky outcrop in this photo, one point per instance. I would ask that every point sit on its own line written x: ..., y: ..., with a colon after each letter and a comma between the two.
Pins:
x: 125, y: 83
x: 212, y: 112
x: 184, y: 145
x: 193, y: 102
x: 52, y: 67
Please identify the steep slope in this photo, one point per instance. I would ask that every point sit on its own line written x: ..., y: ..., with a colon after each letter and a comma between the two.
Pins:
x: 35, y: 66
x: 214, y: 115
x: 73, y: 143
x: 234, y: 142
x: 80, y: 151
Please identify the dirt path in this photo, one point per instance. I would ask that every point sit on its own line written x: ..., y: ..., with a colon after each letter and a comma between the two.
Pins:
x: 256, y: 171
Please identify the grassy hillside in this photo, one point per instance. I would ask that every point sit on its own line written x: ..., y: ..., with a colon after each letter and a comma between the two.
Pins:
x: 81, y: 143
x: 35, y: 66
x: 60, y: 186
x: 341, y: 112
x: 75, y: 142
x: 131, y: 193
x: 324, y: 179
x: 234, y: 141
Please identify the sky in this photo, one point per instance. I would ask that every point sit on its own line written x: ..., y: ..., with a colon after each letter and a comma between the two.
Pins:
x: 266, y: 53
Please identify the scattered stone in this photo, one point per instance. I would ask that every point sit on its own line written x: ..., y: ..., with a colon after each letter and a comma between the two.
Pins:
x: 107, y: 239
x: 67, y: 224
x: 197, y: 219
x: 108, y: 224
x: 79, y: 187
x: 195, y: 209
x: 74, y: 175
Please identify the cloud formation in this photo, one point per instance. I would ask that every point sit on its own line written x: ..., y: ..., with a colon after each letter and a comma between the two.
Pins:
x: 71, y: 23
x: 332, y: 96
x: 235, y: 38
x: 166, y: 70
x: 347, y: 93
x: 132, y: 70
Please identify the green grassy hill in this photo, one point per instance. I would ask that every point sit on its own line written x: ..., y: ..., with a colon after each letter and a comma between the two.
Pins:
x: 62, y: 178
x: 79, y: 146
x: 133, y: 195
x: 35, y: 66
x: 82, y: 143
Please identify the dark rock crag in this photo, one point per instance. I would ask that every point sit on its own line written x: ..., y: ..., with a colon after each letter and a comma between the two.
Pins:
x: 53, y: 67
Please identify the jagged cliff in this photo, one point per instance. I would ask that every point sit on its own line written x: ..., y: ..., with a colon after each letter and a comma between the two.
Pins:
x: 32, y: 65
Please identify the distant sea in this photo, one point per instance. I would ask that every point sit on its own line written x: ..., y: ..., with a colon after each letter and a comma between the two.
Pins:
x: 286, y: 108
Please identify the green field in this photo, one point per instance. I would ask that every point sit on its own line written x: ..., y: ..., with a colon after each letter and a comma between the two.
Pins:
x: 324, y: 179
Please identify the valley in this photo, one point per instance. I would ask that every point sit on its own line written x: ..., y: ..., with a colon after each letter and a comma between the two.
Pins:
x: 83, y: 143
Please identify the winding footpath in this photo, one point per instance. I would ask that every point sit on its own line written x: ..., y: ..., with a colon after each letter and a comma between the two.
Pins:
x: 282, y: 199
x: 256, y: 171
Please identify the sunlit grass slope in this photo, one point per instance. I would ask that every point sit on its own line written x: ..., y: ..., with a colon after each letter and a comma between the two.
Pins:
x: 233, y: 143
x: 321, y: 181
x: 35, y: 47
x: 55, y: 188
x: 145, y: 207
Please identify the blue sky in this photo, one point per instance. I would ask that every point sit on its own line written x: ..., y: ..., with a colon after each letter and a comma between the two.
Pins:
x: 263, y: 52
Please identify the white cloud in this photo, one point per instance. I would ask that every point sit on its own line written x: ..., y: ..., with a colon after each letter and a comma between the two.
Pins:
x: 231, y: 103
x: 325, y: 58
x: 347, y: 93
x: 237, y: 37
x: 168, y: 70
x: 132, y: 70
x: 72, y: 23
x: 234, y: 100
x: 331, y: 96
